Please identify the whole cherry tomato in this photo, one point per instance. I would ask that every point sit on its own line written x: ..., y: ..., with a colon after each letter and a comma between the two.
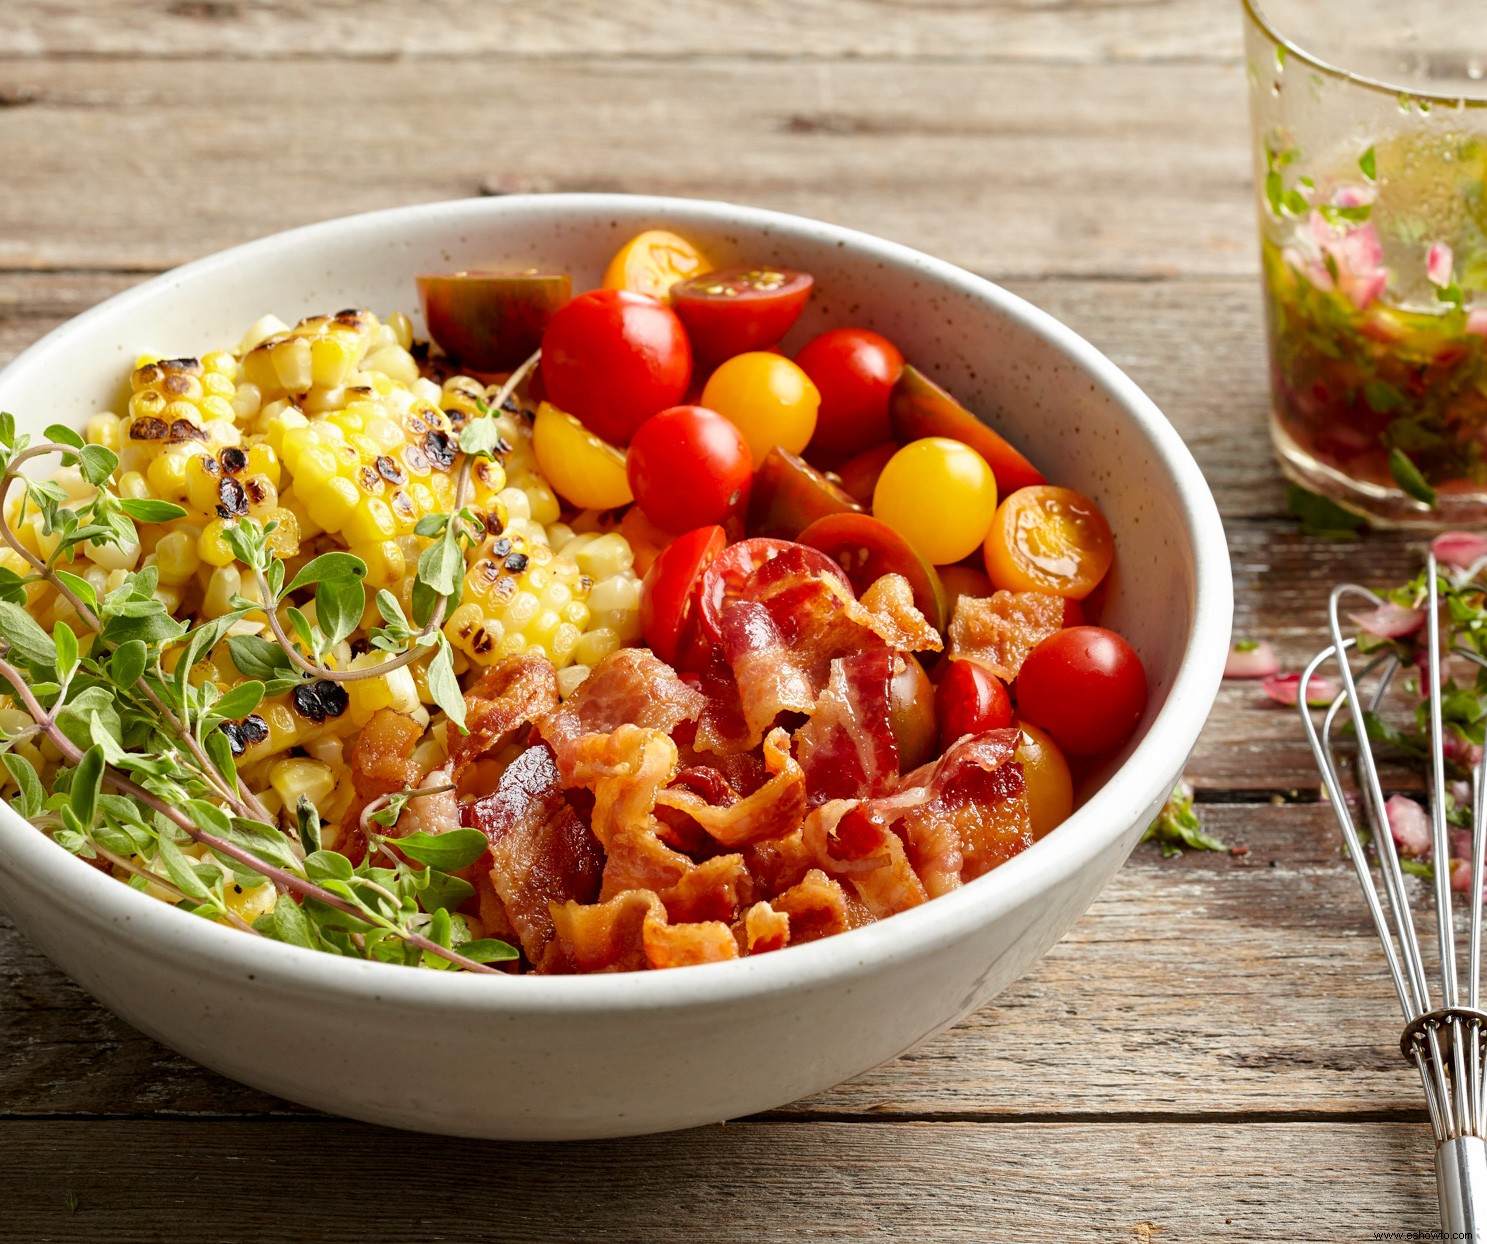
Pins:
x: 1048, y: 539
x: 689, y: 467
x: 739, y: 309
x: 940, y: 496
x: 855, y: 370
x: 668, y: 594
x: 652, y: 262
x: 768, y: 398
x: 1086, y: 686
x: 612, y: 359
x: 1050, y: 785
x: 970, y: 700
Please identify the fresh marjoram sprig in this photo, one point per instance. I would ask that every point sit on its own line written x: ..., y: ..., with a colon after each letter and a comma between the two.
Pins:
x: 147, y: 771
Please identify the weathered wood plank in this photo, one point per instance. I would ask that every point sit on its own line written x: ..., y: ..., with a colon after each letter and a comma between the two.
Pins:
x: 1030, y: 170
x: 281, y: 1181
x: 1085, y: 30
x: 1206, y: 984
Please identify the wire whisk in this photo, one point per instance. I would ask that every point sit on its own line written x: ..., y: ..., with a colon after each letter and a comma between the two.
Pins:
x: 1443, y: 1032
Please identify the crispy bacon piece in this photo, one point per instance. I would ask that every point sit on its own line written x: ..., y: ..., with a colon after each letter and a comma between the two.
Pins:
x: 776, y: 864
x: 979, y: 816
x: 381, y: 764
x: 632, y: 687
x: 630, y: 932
x: 625, y: 769
x: 638, y: 860
x: 721, y: 727
x: 888, y: 610
x: 818, y: 907
x: 540, y: 852
x: 847, y: 748
x: 1001, y: 629
x: 762, y: 929
x: 770, y: 812
x: 514, y: 692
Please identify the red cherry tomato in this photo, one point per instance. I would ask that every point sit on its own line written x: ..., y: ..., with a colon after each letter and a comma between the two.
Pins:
x: 727, y: 577
x: 855, y: 370
x: 739, y: 309
x: 859, y: 473
x: 1086, y: 686
x: 970, y: 700
x: 612, y: 359
x: 668, y: 594
x: 689, y: 467
x: 868, y: 548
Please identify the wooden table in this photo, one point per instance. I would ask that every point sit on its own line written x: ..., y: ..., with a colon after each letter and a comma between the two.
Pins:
x: 1210, y: 1053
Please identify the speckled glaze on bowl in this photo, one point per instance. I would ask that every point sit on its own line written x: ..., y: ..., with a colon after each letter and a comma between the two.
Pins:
x: 573, y: 1057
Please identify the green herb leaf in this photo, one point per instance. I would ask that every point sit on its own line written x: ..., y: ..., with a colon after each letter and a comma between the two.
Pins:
x: 339, y: 604
x: 66, y: 645
x: 61, y: 434
x: 479, y: 437
x: 327, y: 865
x: 1368, y: 164
x: 260, y: 658
x: 264, y: 841
x: 25, y: 638
x: 151, y: 509
x: 430, y: 525
x: 441, y: 564
x: 328, y: 568
x: 438, y: 891
x: 445, y: 687
x: 209, y: 817
x: 31, y: 795
x: 488, y: 950
x: 240, y: 701
x: 1407, y: 475
x: 127, y: 665
x: 1177, y: 826
x: 287, y: 922
x: 179, y: 869
x: 1319, y: 516
x: 97, y: 463
x: 79, y: 587
x: 87, y: 781
x: 449, y: 851
x: 307, y: 818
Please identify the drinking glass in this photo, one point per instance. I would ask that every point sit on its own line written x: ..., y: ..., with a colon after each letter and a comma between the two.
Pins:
x: 1370, y: 136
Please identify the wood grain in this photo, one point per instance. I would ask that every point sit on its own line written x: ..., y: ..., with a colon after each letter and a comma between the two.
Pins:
x: 1206, y: 985
x: 1125, y: 1183
x: 1076, y: 30
x: 1033, y: 170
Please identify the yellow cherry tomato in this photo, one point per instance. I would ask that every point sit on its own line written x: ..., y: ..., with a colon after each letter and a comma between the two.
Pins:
x: 767, y: 398
x: 1050, y: 787
x: 652, y: 262
x: 583, y: 470
x: 939, y: 495
x: 1048, y: 539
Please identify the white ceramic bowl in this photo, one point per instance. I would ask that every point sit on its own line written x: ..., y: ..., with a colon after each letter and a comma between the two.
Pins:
x: 570, y: 1057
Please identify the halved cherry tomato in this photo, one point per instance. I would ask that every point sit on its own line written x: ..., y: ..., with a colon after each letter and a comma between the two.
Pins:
x: 581, y: 468
x: 689, y: 467
x: 859, y: 474
x: 920, y: 408
x: 652, y: 262
x: 970, y: 700
x: 855, y: 369
x: 739, y: 309
x: 911, y: 712
x: 612, y: 359
x: 1086, y: 686
x: 668, y: 594
x: 1050, y: 785
x: 1048, y: 539
x: 769, y: 399
x: 727, y: 578
x: 868, y: 548
x: 790, y: 495
x: 491, y: 321
x: 645, y: 538
x: 940, y: 496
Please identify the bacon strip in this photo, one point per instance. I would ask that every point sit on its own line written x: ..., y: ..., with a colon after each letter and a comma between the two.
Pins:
x: 514, y: 692
x: 847, y: 748
x: 540, y: 852
x: 1001, y: 629
x: 630, y: 932
x: 818, y: 907
x: 887, y: 609
x: 762, y: 929
x: 381, y: 763
x: 625, y: 770
x: 770, y: 812
x: 638, y: 860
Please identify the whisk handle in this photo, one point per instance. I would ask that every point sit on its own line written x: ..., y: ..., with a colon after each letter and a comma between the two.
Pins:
x: 1461, y: 1184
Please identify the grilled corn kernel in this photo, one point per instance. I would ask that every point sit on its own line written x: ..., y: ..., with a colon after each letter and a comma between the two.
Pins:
x: 176, y: 555
x: 104, y: 429
x: 300, y: 776
x: 212, y: 548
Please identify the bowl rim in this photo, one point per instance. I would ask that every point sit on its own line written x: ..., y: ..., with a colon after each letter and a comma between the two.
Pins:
x: 1092, y: 829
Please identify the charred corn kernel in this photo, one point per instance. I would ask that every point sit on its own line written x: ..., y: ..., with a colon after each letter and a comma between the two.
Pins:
x: 260, y: 331
x: 103, y: 429
x: 203, y: 483
x: 247, y: 904
x: 384, y: 559
x: 370, y: 522
x: 333, y: 502
x: 212, y: 548
x: 176, y: 555
x: 262, y: 460
x: 167, y: 474
x: 301, y: 776
x: 261, y: 494
x: 225, y: 583
x: 593, y: 646
x: 284, y: 538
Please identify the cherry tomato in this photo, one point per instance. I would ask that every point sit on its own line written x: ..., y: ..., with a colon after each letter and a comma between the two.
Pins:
x: 790, y: 495
x: 613, y: 359
x: 868, y: 548
x: 739, y: 309
x: 689, y: 467
x: 859, y: 474
x: 855, y: 370
x: 1050, y: 786
x: 920, y: 408
x: 581, y: 468
x: 668, y: 594
x: 652, y: 262
x: 1047, y: 539
x: 728, y: 576
x: 964, y: 581
x: 769, y: 399
x: 1086, y: 686
x: 970, y: 700
x: 491, y: 321
x: 940, y: 496
x: 911, y: 713
x: 645, y: 538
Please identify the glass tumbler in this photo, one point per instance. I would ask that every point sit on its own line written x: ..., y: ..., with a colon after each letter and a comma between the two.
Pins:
x: 1370, y: 136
